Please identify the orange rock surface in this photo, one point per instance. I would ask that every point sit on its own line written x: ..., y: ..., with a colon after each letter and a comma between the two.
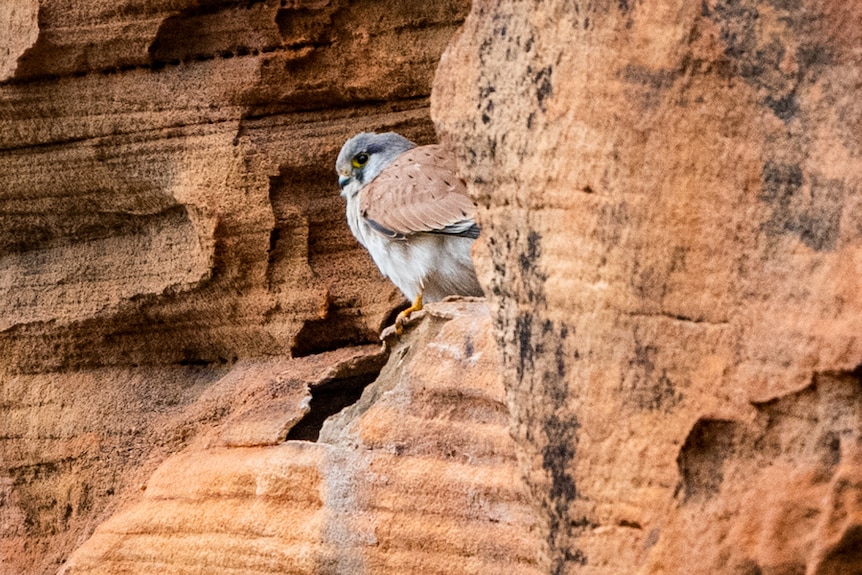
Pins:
x: 169, y: 215
x: 666, y: 378
x: 419, y: 476
x: 670, y: 201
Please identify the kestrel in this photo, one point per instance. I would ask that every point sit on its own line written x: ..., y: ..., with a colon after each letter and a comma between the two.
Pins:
x: 408, y: 207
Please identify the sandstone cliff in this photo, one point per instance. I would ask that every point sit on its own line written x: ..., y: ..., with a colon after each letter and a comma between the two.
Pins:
x: 169, y: 212
x: 672, y: 252
x: 669, y: 356
x: 419, y: 476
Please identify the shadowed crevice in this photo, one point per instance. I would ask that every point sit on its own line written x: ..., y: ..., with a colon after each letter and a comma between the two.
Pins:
x: 339, y: 387
x: 327, y: 400
x: 702, y: 456
x: 340, y: 329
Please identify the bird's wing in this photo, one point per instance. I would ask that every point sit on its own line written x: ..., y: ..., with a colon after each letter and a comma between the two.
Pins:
x: 420, y: 191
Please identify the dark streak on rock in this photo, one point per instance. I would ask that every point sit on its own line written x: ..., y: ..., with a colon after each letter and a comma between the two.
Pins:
x: 541, y: 79
x: 646, y: 386
x: 757, y: 57
x: 558, y: 457
x: 469, y: 348
x: 812, y: 213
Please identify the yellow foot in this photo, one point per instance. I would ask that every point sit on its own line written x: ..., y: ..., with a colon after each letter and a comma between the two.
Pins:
x: 404, y: 315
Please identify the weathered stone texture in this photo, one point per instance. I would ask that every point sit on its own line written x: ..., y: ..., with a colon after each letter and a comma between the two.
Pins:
x: 18, y: 31
x: 160, y: 161
x: 669, y: 195
x: 169, y: 214
x: 419, y: 476
x: 670, y: 198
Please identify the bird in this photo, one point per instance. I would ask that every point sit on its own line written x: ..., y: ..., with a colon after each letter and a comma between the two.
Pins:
x: 407, y: 205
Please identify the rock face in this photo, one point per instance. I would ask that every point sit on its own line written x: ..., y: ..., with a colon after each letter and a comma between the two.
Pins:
x: 670, y: 206
x: 419, y: 476
x: 169, y: 215
x: 169, y: 163
x: 670, y: 198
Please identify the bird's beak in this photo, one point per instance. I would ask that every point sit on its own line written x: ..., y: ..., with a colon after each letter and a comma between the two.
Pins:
x: 343, y: 181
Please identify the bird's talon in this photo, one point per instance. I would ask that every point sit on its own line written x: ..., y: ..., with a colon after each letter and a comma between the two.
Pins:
x: 387, y: 334
x: 402, y: 319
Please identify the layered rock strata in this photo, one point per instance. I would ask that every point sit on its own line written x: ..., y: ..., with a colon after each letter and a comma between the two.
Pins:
x: 168, y: 215
x: 670, y: 198
x: 419, y: 476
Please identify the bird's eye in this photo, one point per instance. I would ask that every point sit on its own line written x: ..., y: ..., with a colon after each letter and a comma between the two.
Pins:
x: 359, y: 160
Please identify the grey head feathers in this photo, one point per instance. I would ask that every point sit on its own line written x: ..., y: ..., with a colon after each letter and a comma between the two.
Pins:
x: 365, y: 155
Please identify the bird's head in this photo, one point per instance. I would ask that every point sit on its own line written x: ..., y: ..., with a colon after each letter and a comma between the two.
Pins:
x: 364, y: 156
